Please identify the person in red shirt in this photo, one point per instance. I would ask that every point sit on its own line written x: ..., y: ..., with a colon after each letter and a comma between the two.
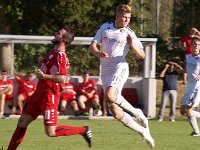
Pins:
x: 68, y: 94
x: 45, y: 99
x: 6, y: 91
x: 26, y: 88
x: 185, y: 45
x: 88, y: 92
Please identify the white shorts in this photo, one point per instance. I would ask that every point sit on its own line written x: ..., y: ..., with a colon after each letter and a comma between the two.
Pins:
x: 192, y: 95
x: 116, y: 78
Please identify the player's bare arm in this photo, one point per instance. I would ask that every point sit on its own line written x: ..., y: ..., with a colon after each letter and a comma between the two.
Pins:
x: 54, y: 78
x: 162, y: 74
x: 176, y: 65
x: 95, y: 51
x: 139, y: 52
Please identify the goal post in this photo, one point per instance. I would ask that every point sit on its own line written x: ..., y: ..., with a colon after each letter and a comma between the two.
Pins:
x: 145, y: 85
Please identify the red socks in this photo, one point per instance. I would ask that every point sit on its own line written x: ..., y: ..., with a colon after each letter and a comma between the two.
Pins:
x: 17, y: 138
x: 69, y: 130
x: 19, y: 134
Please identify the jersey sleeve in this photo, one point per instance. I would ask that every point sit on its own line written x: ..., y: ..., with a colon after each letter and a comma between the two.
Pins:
x: 94, y: 84
x: 63, y: 63
x: 98, y: 36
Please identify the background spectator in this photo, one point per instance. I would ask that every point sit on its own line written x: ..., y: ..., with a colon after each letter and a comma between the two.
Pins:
x: 68, y: 94
x: 26, y: 88
x: 88, y: 92
x: 6, y: 93
x: 169, y: 76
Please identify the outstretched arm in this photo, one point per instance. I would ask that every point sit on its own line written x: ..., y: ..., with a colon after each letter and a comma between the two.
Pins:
x: 162, y: 74
x: 177, y: 66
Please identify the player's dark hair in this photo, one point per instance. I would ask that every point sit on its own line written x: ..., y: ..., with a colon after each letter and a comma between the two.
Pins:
x: 195, y: 39
x: 69, y: 35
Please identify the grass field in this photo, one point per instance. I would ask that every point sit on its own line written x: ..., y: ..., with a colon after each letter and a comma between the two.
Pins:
x: 108, y: 135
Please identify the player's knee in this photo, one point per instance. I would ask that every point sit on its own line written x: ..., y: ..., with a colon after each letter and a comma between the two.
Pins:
x: 110, y: 97
x: 50, y: 133
x: 117, y: 112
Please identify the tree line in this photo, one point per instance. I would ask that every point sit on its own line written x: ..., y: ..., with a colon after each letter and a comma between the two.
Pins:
x: 165, y: 20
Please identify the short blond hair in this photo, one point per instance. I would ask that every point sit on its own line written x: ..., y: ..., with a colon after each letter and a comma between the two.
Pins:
x: 123, y: 8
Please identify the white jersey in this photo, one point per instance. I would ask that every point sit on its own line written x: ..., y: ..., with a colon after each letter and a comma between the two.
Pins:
x: 192, y: 94
x: 114, y: 42
x: 193, y: 68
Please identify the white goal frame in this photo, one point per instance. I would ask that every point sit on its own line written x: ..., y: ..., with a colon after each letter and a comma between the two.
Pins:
x: 147, y: 86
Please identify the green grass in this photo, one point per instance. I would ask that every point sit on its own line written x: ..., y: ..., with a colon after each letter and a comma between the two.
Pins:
x: 108, y: 135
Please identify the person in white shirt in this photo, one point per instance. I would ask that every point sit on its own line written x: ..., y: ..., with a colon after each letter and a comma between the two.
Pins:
x: 191, y: 97
x: 116, y: 39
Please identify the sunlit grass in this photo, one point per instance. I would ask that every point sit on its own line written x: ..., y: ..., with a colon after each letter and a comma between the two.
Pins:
x: 108, y: 135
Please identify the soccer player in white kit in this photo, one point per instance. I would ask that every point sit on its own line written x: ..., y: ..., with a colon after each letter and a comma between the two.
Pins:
x: 191, y: 98
x: 116, y: 38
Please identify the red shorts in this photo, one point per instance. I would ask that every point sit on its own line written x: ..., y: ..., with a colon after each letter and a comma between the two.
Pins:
x: 25, y: 96
x: 45, y: 104
x: 8, y: 97
x: 67, y: 97
x: 95, y: 95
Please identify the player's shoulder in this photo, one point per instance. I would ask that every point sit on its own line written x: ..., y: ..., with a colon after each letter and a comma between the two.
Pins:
x: 189, y: 56
x: 106, y: 25
x: 130, y: 30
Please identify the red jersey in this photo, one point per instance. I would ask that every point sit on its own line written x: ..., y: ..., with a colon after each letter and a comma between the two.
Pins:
x: 87, y: 86
x: 69, y: 96
x: 46, y: 97
x: 186, y: 41
x: 56, y: 63
x: 26, y: 86
x: 65, y: 86
x: 4, y: 84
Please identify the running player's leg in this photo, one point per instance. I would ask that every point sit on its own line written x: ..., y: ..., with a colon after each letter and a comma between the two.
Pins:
x: 116, y: 82
x: 122, y: 102
x: 193, y: 121
x: 20, y: 131
x: 52, y: 130
x: 187, y: 110
x: 127, y: 120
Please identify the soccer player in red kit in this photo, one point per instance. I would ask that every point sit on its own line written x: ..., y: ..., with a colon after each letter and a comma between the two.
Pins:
x: 45, y: 99
x: 68, y: 94
x: 26, y: 88
x: 6, y: 91
x: 88, y: 92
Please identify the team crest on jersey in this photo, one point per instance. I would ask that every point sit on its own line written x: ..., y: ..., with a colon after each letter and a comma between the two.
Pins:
x: 122, y: 30
x: 51, y: 56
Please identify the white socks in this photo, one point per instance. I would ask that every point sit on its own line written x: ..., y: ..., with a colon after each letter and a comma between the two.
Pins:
x: 196, y: 113
x: 123, y: 103
x: 128, y: 121
x: 193, y: 122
